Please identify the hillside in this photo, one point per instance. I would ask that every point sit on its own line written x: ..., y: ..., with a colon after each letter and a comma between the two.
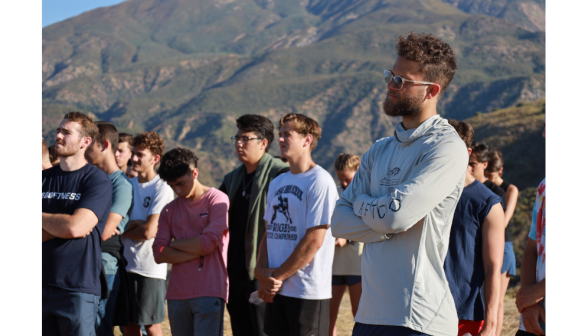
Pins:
x: 187, y: 69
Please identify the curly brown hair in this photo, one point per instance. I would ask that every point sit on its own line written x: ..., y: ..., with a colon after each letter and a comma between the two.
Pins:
x: 151, y: 141
x: 437, y: 60
x: 465, y: 131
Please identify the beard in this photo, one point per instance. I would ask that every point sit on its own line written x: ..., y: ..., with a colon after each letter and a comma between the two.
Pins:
x: 402, y: 108
x: 67, y: 150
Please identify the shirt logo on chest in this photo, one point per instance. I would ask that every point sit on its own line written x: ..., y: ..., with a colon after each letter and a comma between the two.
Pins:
x: 147, y: 201
x: 389, y: 179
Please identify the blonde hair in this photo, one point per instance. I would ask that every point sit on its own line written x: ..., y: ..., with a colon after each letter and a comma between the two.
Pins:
x: 303, y: 125
x: 347, y: 161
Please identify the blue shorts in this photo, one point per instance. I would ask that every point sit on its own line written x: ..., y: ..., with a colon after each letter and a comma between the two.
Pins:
x: 509, y: 263
x: 68, y: 313
x: 201, y: 316
x: 348, y: 280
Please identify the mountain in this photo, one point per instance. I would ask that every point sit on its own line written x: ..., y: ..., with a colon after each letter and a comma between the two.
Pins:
x: 188, y: 68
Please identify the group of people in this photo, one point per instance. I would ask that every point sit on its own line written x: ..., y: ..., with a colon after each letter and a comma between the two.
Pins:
x: 416, y: 231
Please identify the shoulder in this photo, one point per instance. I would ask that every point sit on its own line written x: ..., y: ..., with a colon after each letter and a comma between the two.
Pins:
x: 95, y: 177
x: 216, y: 196
x: 230, y: 175
x: 484, y: 194
x: 320, y: 177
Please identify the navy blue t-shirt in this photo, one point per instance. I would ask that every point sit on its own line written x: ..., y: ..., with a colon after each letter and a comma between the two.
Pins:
x: 74, y: 264
x: 464, y: 266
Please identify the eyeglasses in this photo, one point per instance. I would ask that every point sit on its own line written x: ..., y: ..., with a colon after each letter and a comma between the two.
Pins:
x: 243, y: 139
x: 399, y: 81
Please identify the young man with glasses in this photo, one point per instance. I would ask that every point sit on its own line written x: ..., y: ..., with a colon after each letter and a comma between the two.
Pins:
x: 295, y: 260
x: 402, y: 199
x: 247, y: 188
x: 76, y: 200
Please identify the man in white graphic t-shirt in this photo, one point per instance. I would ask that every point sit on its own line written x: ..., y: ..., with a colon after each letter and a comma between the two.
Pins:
x: 147, y: 278
x: 296, y: 255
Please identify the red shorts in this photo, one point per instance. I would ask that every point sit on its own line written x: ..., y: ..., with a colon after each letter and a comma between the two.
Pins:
x: 472, y: 327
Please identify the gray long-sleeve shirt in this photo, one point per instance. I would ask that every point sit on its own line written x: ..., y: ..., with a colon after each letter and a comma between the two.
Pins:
x: 401, y: 204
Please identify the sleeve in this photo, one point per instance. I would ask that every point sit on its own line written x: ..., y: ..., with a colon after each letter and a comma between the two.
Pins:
x: 431, y: 180
x: 345, y: 223
x: 96, y: 195
x: 163, y: 236
x: 320, y: 200
x: 218, y: 223
x: 122, y: 198
x: 490, y: 202
x: 163, y: 195
x: 536, y: 207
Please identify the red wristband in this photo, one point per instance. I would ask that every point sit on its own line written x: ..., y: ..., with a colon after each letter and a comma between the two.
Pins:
x: 161, y: 249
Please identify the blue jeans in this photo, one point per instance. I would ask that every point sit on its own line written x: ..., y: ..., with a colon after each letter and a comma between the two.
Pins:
x: 107, y: 307
x: 360, y: 329
x: 68, y: 313
x: 202, y: 316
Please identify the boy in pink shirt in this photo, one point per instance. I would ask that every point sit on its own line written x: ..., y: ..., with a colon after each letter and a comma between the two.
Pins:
x: 197, y: 220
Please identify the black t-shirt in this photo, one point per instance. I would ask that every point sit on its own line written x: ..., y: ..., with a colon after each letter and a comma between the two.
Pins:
x: 74, y: 264
x: 498, y: 191
x: 238, y: 217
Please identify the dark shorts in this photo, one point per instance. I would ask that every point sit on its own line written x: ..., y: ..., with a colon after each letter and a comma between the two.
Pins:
x: 148, y: 299
x: 296, y: 317
x: 509, y: 263
x: 68, y: 313
x: 348, y: 280
x: 360, y: 329
x: 524, y: 333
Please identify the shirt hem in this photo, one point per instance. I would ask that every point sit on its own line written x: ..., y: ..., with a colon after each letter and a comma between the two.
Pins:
x: 79, y: 290
x: 154, y: 276
x: 378, y: 321
x: 304, y: 297
x: 189, y: 297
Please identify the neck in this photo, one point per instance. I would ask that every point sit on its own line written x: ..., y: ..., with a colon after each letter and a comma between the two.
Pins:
x: 123, y: 168
x: 410, y: 122
x: 251, y: 166
x: 301, y: 164
x: 469, y: 179
x: 197, y: 191
x: 108, y: 165
x: 498, y: 180
x: 146, y: 176
x: 73, y: 162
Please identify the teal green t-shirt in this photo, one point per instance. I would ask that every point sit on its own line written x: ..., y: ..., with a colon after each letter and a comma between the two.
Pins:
x: 122, y: 204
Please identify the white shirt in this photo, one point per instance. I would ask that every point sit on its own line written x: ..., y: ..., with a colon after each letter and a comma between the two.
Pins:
x: 295, y: 203
x: 149, y: 198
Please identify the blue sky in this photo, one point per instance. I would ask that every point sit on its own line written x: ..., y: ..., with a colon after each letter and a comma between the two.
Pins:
x: 59, y: 10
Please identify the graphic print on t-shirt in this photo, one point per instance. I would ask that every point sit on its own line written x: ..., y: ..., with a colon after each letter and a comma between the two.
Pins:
x: 280, y: 226
x: 147, y: 201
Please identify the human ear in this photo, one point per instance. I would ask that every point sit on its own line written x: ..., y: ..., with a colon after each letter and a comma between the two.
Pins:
x: 156, y: 158
x: 308, y: 140
x: 264, y: 144
x: 433, y: 91
x: 485, y: 165
x: 195, y: 173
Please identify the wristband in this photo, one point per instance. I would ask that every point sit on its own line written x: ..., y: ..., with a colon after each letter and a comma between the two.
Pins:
x: 161, y: 249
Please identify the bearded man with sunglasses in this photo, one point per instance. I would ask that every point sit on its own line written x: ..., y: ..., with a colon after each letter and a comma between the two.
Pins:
x: 247, y: 188
x: 402, y: 200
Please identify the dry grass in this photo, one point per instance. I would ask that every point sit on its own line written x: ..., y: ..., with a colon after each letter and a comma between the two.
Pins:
x: 345, y: 319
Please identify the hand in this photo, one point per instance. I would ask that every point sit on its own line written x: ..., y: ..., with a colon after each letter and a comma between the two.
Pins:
x: 528, y: 296
x: 115, y: 232
x: 87, y: 234
x: 134, y: 223
x: 267, y: 282
x: 265, y: 296
x: 531, y: 317
x: 340, y: 242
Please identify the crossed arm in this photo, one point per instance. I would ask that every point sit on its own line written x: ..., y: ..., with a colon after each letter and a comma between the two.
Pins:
x: 271, y: 279
x: 77, y: 225
x: 181, y: 250
x: 141, y: 230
